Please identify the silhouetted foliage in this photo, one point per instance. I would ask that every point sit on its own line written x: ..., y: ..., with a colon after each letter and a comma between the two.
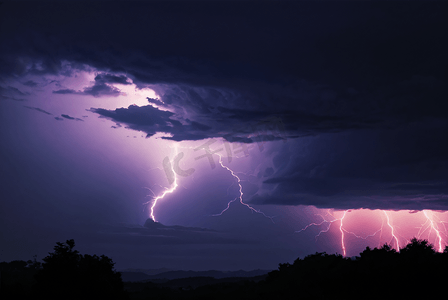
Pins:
x: 418, y: 249
x: 69, y: 275
x: 17, y: 278
x: 379, y: 273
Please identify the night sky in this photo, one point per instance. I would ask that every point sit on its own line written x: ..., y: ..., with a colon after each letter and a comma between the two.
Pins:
x: 134, y: 128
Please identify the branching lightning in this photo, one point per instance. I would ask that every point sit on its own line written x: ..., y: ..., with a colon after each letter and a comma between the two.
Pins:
x: 434, y: 227
x: 227, y: 207
x: 341, y: 229
x: 318, y: 224
x: 240, y: 197
x: 174, y: 185
x: 392, y: 231
x: 431, y: 223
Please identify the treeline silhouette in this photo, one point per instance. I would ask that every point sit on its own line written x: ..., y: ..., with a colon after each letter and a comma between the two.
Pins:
x: 416, y: 271
x: 64, y: 274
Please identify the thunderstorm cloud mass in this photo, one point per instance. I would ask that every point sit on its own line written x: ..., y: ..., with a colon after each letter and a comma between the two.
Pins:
x: 222, y: 135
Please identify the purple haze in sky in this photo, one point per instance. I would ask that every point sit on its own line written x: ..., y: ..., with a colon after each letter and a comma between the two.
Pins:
x: 314, y: 107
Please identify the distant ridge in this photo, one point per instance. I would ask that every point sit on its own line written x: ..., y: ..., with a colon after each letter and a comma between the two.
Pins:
x: 147, y: 271
x: 141, y: 275
x: 151, y: 224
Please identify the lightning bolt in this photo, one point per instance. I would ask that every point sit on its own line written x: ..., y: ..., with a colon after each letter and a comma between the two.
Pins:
x: 342, y: 235
x: 433, y: 226
x: 318, y: 224
x: 240, y: 197
x: 392, y: 231
x: 360, y: 237
x: 174, y: 185
x: 341, y: 229
x: 228, y: 205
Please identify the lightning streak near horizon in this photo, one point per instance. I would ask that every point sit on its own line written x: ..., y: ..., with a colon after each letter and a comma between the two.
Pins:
x: 431, y: 224
x: 240, y: 197
x: 341, y: 229
x: 434, y: 226
x: 344, y: 252
x: 392, y: 231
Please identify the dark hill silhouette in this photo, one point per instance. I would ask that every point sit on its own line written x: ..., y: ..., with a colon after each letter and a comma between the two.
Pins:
x: 212, y: 273
x: 194, y: 282
x: 171, y: 275
x: 134, y: 276
x: 147, y: 271
x: 151, y: 224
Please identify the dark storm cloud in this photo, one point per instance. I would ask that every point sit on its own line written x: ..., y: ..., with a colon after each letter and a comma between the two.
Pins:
x: 152, y: 120
x: 308, y: 76
x: 110, y: 78
x: 402, y: 168
x: 365, y: 83
x: 155, y: 101
x: 16, y: 91
x: 314, y: 114
x: 3, y: 97
x: 30, y: 83
x: 11, y: 93
x: 69, y: 118
x: 100, y: 88
x: 263, y: 41
x: 65, y: 91
x: 140, y: 116
x: 38, y: 109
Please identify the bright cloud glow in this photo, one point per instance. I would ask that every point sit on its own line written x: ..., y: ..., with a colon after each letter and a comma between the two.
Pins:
x: 130, y: 95
x: 357, y: 229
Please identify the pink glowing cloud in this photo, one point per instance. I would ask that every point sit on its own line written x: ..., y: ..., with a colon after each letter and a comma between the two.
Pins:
x: 363, y: 227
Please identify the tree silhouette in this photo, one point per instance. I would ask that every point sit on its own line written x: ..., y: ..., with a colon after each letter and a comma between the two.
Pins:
x: 69, y: 275
x: 17, y: 278
x: 418, y: 249
x: 379, y: 273
x: 378, y: 257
